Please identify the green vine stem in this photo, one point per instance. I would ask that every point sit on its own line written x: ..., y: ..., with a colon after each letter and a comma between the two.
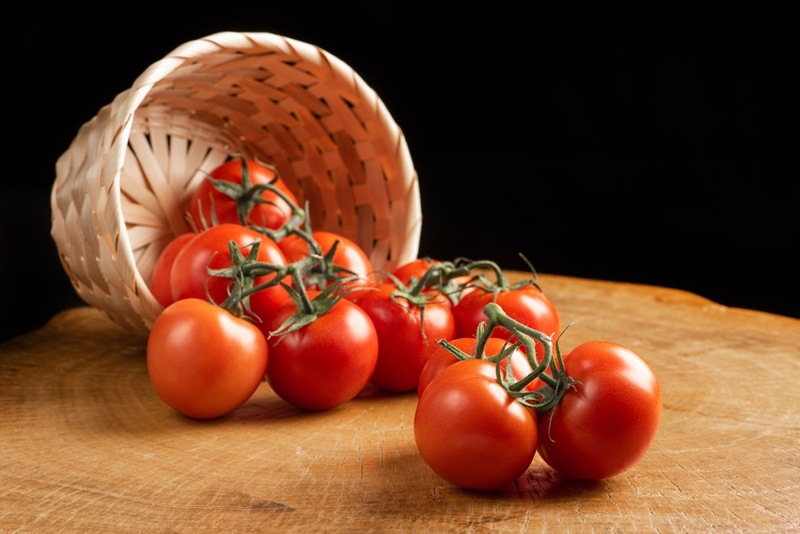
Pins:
x: 244, y: 271
x: 479, y: 351
x: 549, y: 370
x: 444, y: 276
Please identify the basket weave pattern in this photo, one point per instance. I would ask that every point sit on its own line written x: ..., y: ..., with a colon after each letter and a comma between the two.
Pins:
x: 122, y: 187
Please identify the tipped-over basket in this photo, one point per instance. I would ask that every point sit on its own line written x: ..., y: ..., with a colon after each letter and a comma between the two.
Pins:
x: 122, y: 186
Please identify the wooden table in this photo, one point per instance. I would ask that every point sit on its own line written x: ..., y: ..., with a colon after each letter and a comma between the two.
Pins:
x: 86, y: 446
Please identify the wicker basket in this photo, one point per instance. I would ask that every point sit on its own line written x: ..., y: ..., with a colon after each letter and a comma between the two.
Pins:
x: 122, y: 186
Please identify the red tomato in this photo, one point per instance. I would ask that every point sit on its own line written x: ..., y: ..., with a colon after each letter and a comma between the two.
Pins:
x: 208, y: 204
x: 527, y: 304
x: 407, y: 334
x: 470, y: 431
x: 441, y: 357
x: 607, y: 419
x: 326, y: 362
x: 203, y: 361
x: 160, y: 279
x: 209, y: 249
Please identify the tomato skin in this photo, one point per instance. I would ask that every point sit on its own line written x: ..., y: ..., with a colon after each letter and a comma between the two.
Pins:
x: 202, y: 361
x: 207, y: 199
x: 403, y: 350
x: 160, y: 285
x: 325, y: 363
x: 528, y: 305
x: 209, y: 249
x: 470, y: 431
x: 606, y: 422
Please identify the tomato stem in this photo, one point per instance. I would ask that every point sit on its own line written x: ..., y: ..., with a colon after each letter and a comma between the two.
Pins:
x: 479, y: 351
x: 443, y: 276
x: 308, y: 309
x: 556, y: 382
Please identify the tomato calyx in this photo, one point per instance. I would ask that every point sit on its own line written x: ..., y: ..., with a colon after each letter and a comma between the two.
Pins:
x: 320, y: 270
x: 419, y: 293
x: 481, y: 282
x: 310, y: 309
x: 243, y: 277
x: 246, y: 195
x: 443, y: 277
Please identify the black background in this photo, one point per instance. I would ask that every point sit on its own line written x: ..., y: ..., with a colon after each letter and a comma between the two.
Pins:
x: 639, y: 145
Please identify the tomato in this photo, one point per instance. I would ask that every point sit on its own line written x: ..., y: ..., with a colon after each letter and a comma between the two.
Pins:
x: 325, y: 363
x: 208, y: 204
x: 160, y: 285
x: 203, y: 361
x: 441, y: 357
x: 527, y: 304
x: 607, y: 420
x: 407, y: 333
x: 470, y: 431
x: 189, y: 277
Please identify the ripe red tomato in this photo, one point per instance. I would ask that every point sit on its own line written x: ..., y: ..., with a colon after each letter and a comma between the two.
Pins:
x: 526, y: 304
x: 607, y: 419
x: 203, y: 361
x: 208, y: 204
x: 441, y: 357
x: 160, y: 285
x: 407, y: 334
x: 470, y: 431
x: 209, y: 249
x: 326, y: 362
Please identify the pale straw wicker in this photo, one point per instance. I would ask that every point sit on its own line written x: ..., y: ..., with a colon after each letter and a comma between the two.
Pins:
x: 122, y: 186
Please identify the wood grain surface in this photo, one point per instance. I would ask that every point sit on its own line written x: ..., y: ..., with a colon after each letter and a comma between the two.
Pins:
x: 87, y: 446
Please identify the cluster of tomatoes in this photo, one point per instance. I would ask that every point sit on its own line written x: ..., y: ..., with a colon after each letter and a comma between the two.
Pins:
x: 254, y: 294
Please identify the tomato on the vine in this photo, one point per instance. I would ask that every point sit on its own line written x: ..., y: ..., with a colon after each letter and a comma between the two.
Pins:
x: 202, y: 360
x: 527, y: 304
x: 323, y: 363
x: 471, y: 431
x: 608, y: 417
x: 408, y: 330
x: 442, y: 357
x: 209, y: 205
x: 413, y: 271
x: 160, y: 285
x: 348, y: 255
x: 209, y: 249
